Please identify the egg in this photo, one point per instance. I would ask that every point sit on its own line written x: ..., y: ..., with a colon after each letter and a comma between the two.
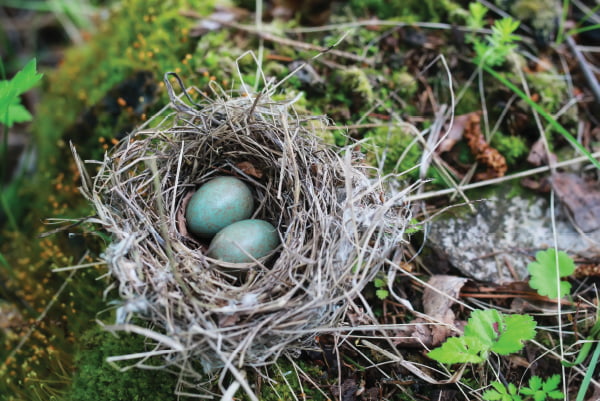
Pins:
x: 218, y: 203
x: 244, y: 241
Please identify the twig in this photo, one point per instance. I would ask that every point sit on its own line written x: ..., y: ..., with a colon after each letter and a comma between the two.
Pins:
x: 499, y: 180
x: 589, y: 75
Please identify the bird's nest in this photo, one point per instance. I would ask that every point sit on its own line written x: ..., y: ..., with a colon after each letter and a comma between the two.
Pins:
x: 336, y: 223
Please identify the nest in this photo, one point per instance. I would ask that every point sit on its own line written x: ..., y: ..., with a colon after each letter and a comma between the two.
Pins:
x: 336, y: 225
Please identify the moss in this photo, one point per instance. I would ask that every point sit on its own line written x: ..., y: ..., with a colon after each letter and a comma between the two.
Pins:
x: 83, y: 101
x: 354, y: 86
x: 428, y: 10
x: 401, y: 151
x: 284, y: 382
x: 138, y: 36
x: 96, y: 379
x: 513, y: 148
x: 405, y: 82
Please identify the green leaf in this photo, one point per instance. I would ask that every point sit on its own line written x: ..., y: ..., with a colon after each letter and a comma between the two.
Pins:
x: 487, y: 330
x: 491, y: 395
x: 16, y: 114
x: 483, y: 325
x: 512, y: 332
x: 545, y: 273
x: 541, y: 390
x: 379, y: 283
x: 535, y: 383
x: 25, y: 79
x: 382, y: 294
x: 459, y: 350
x: 502, y: 393
x: 551, y: 383
x: 11, y: 110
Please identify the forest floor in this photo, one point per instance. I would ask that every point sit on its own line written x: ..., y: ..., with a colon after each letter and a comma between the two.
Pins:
x: 487, y: 111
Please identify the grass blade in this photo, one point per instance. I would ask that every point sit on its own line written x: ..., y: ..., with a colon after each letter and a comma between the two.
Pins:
x: 551, y: 120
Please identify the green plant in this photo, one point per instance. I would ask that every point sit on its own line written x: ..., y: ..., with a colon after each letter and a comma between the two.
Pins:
x: 551, y: 120
x: 502, y: 392
x: 381, y: 288
x: 547, y: 271
x: 486, y: 331
x: 11, y: 112
x: 538, y: 390
x: 541, y: 390
x: 11, y: 109
x: 493, y: 49
x: 511, y: 147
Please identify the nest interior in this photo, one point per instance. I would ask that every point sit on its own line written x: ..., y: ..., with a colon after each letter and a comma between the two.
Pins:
x: 336, y: 228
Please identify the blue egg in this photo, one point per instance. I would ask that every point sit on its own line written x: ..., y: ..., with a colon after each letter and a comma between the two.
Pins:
x: 218, y: 203
x: 244, y: 240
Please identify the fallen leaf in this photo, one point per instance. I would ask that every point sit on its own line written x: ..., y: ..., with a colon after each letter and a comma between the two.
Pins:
x: 581, y: 198
x: 248, y: 168
x: 538, y: 155
x: 455, y: 133
x: 437, y: 303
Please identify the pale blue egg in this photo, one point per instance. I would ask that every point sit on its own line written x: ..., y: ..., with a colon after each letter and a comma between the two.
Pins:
x: 244, y: 240
x: 218, y: 203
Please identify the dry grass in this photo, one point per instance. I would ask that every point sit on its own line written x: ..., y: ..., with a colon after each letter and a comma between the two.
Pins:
x: 336, y: 222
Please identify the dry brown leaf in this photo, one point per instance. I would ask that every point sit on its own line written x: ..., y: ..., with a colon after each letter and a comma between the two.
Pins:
x: 538, y: 155
x: 581, y: 198
x: 437, y: 304
x: 455, y: 134
x: 248, y: 168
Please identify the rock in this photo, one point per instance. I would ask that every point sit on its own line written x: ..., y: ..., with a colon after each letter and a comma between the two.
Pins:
x: 504, y: 234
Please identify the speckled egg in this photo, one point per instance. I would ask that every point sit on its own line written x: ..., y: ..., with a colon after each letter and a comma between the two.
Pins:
x: 218, y: 203
x: 244, y: 240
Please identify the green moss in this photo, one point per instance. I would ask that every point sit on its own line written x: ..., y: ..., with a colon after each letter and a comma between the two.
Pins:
x: 402, y: 153
x: 405, y: 82
x: 284, y: 382
x: 138, y: 36
x: 428, y: 10
x: 513, y: 148
x: 95, y: 379
x: 354, y: 86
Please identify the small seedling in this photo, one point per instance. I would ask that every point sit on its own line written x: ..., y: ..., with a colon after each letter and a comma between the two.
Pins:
x: 542, y: 390
x: 547, y: 270
x: 487, y: 331
x: 538, y: 390
x: 381, y: 288
x: 502, y: 393
x: 494, y: 48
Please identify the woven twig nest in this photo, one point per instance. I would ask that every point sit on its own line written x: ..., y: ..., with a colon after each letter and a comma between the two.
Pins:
x: 336, y: 227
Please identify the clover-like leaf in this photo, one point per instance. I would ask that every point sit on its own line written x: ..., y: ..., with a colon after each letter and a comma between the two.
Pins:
x: 483, y: 324
x: 512, y: 331
x: 459, y: 350
x: 546, y: 273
